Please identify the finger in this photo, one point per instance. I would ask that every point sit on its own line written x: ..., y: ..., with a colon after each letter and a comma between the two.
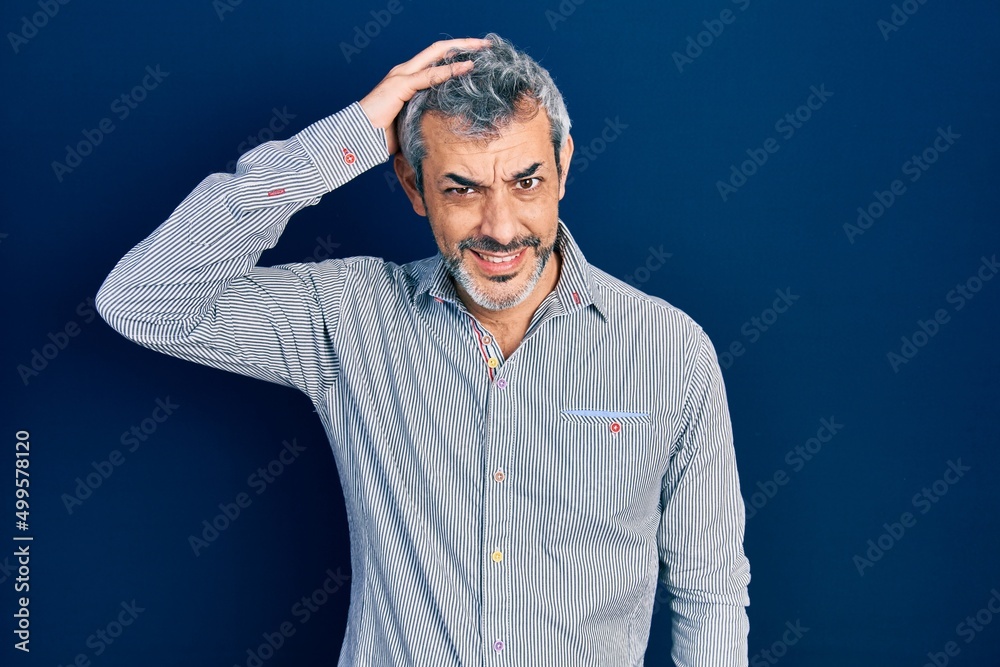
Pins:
x: 433, y: 76
x: 384, y: 102
x: 439, y: 50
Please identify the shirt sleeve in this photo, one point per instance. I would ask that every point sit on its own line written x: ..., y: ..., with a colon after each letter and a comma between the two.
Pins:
x: 192, y: 289
x: 700, y: 536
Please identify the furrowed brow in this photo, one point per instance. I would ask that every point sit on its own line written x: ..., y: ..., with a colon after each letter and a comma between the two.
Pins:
x: 469, y: 183
x: 530, y: 171
x: 461, y: 180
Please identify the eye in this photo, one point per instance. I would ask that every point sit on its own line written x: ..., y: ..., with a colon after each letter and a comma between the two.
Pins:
x: 528, y: 184
x: 461, y: 192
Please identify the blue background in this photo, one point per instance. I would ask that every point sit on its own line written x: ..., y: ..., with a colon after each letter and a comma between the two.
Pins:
x: 652, y: 187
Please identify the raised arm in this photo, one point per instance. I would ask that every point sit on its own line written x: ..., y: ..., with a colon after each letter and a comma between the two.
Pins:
x: 192, y: 289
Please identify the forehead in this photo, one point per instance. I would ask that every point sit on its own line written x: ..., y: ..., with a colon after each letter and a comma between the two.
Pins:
x: 519, y: 140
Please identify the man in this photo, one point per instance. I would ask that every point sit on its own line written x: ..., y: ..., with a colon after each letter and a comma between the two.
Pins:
x: 526, y: 444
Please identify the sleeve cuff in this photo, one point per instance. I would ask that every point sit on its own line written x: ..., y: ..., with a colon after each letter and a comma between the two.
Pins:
x: 344, y: 145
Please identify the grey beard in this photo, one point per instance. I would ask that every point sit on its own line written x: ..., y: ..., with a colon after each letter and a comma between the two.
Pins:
x: 462, y: 277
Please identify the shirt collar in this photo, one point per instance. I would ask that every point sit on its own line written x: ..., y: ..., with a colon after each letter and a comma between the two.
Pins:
x: 575, y: 290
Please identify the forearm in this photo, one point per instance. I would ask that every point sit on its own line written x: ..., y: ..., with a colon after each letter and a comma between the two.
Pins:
x: 709, y: 634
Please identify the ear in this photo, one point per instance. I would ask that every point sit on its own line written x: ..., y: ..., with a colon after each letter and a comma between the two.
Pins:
x: 408, y: 178
x: 565, y: 156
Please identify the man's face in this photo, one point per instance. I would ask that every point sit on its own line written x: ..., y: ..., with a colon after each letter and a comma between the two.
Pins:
x: 493, y: 207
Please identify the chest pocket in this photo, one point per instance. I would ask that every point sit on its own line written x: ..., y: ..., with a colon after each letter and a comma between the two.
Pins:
x: 616, y: 458
x: 610, y: 418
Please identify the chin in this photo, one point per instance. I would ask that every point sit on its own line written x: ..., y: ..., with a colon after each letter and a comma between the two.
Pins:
x: 486, y: 294
x: 498, y: 292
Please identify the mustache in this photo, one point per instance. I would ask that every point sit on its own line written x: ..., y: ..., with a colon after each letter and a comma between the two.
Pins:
x: 489, y: 244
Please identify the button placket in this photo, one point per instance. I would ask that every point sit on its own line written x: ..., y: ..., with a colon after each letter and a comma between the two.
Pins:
x: 498, y: 587
x: 488, y: 347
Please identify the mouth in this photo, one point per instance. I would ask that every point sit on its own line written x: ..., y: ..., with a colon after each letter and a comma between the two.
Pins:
x: 495, y: 264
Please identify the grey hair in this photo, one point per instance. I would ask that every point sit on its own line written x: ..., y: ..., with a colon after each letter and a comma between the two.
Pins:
x: 504, y: 85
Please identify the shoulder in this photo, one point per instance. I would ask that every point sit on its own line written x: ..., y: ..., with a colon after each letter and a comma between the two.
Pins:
x: 635, y: 309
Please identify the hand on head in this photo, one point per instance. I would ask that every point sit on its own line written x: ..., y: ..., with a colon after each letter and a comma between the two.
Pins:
x: 386, y: 100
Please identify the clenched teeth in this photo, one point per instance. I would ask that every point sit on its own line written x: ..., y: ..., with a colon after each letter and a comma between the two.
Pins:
x: 498, y: 260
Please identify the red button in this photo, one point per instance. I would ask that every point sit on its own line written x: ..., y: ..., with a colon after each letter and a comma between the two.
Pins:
x: 615, y: 427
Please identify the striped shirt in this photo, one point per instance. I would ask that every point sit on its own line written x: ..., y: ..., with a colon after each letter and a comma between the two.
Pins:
x: 503, y: 511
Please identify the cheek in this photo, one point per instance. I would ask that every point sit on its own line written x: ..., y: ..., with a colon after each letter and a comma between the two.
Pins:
x: 450, y: 224
x: 540, y: 210
x: 542, y: 214
x: 548, y: 201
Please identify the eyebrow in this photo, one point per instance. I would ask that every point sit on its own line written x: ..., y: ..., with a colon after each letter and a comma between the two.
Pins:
x: 469, y: 183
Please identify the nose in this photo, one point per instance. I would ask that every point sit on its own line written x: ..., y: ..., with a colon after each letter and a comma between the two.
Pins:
x: 499, y: 217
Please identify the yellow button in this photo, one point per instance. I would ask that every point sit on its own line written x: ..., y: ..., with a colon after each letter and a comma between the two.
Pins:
x: 499, y: 475
x: 493, y: 362
x: 497, y: 556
